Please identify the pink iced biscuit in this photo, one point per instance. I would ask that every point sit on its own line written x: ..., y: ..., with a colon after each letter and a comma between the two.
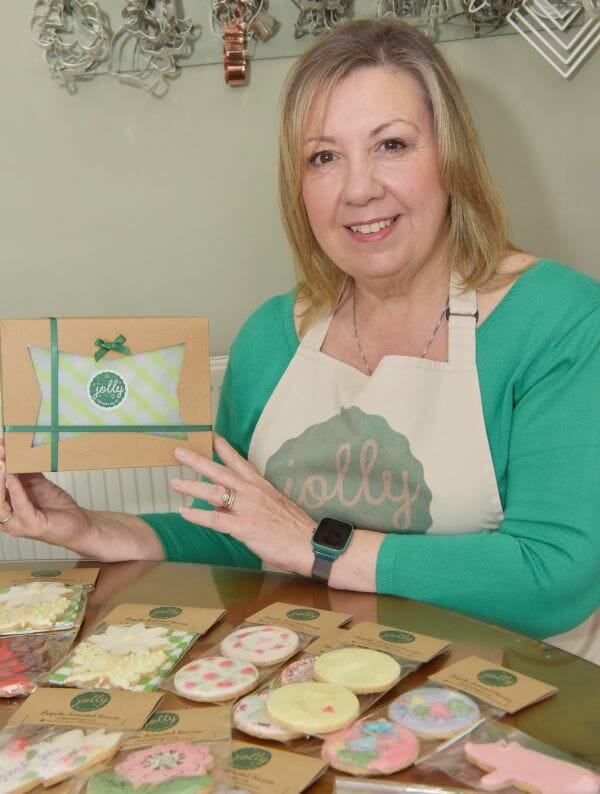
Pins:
x: 371, y: 747
x: 164, y: 762
x: 510, y: 764
x: 298, y: 671
x: 215, y: 678
x: 261, y: 645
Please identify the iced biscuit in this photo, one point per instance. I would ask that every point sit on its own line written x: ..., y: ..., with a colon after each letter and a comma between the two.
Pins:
x: 371, y: 747
x: 215, y: 678
x: 510, y: 764
x: 137, y: 638
x: 261, y: 645
x: 250, y: 716
x: 176, y: 767
x: 92, y: 666
x: 299, y: 671
x: 434, y: 712
x: 34, y: 605
x: 61, y: 756
x: 313, y: 707
x: 358, y: 669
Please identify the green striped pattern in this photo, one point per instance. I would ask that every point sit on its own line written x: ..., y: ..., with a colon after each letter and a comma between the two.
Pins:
x: 151, y: 377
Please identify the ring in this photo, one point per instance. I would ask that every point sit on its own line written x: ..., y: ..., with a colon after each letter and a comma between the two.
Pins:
x: 228, y: 499
x: 12, y: 512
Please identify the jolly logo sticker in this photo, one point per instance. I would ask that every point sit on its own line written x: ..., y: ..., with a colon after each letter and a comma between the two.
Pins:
x: 355, y: 467
x: 107, y: 390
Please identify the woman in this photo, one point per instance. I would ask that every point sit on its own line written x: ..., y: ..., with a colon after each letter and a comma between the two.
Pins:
x: 426, y: 383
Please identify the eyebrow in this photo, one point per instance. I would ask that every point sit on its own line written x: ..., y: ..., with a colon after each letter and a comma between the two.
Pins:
x: 373, y: 134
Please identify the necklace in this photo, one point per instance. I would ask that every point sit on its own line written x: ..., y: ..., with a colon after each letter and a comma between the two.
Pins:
x: 365, y: 361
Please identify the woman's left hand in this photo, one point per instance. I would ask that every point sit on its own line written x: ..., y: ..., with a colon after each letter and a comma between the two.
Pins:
x: 265, y: 520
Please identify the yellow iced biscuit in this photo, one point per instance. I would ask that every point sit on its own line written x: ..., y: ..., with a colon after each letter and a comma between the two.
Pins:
x: 41, y: 615
x: 313, y: 707
x: 358, y: 669
x: 93, y: 666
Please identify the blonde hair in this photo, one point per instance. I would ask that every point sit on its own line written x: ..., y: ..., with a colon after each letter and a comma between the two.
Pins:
x: 477, y: 233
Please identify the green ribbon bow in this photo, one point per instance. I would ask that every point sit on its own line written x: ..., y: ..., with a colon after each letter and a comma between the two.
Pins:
x: 117, y: 346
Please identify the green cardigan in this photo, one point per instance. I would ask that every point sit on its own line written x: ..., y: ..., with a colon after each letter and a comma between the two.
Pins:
x: 538, y: 360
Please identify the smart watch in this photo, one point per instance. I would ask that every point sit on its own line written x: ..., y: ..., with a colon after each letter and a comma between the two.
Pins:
x: 330, y: 539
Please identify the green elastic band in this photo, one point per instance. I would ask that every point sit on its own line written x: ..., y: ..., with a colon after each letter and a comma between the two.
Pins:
x: 106, y: 429
x: 53, y: 394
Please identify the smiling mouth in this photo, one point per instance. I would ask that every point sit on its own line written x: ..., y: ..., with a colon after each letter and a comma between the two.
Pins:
x: 376, y: 226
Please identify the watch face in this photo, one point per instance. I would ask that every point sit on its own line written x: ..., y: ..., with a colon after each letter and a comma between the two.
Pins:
x: 333, y: 533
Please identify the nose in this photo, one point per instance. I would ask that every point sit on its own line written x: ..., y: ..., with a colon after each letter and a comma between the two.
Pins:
x: 361, y: 183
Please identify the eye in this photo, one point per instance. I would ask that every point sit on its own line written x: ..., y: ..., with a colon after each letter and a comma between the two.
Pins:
x: 321, y: 158
x: 393, y: 145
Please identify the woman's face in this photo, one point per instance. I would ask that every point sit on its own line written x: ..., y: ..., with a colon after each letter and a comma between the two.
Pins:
x: 371, y: 185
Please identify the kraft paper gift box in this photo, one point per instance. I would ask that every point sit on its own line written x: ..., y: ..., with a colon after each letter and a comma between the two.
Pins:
x: 103, y: 392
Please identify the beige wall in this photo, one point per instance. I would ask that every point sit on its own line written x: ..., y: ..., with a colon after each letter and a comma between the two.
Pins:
x: 113, y: 202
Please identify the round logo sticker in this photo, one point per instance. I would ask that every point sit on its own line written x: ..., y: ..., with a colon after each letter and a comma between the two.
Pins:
x: 397, y: 637
x: 497, y: 678
x: 107, y: 390
x: 164, y: 613
x: 303, y: 614
x: 90, y: 701
x: 161, y: 721
x: 45, y: 574
x: 249, y: 758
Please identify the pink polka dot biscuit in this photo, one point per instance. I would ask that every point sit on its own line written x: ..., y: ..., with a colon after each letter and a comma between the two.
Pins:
x: 215, y: 678
x: 371, y: 747
x: 250, y: 716
x: 298, y: 671
x: 261, y: 645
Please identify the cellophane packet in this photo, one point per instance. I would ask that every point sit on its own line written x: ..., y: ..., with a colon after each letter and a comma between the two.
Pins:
x: 253, y: 714
x: 26, y: 660
x: 178, y: 766
x: 435, y: 714
x: 495, y: 756
x: 132, y: 656
x: 32, y: 755
x: 36, y: 606
x: 241, y: 662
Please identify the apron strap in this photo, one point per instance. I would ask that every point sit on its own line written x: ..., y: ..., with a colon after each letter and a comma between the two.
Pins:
x: 462, y: 318
x: 315, y: 336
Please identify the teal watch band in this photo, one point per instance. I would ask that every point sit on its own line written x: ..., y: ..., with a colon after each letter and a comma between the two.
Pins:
x: 330, y: 540
x: 322, y: 568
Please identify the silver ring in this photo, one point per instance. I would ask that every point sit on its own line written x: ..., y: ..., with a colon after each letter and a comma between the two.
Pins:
x: 228, y: 499
x: 8, y: 517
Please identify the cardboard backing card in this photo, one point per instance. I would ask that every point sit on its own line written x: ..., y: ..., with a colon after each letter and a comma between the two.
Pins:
x: 131, y: 389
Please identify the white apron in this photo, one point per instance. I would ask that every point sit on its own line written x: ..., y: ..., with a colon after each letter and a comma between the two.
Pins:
x: 403, y: 450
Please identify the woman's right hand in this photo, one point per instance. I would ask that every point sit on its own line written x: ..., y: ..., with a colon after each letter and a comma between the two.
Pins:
x: 33, y: 507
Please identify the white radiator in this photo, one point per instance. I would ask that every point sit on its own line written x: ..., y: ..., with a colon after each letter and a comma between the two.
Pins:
x: 125, y: 490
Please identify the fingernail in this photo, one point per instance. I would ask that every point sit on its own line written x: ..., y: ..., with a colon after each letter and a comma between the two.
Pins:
x: 182, y: 452
x: 9, y: 480
x: 175, y: 482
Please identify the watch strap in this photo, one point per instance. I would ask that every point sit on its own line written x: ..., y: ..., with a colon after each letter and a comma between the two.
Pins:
x: 322, y: 568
